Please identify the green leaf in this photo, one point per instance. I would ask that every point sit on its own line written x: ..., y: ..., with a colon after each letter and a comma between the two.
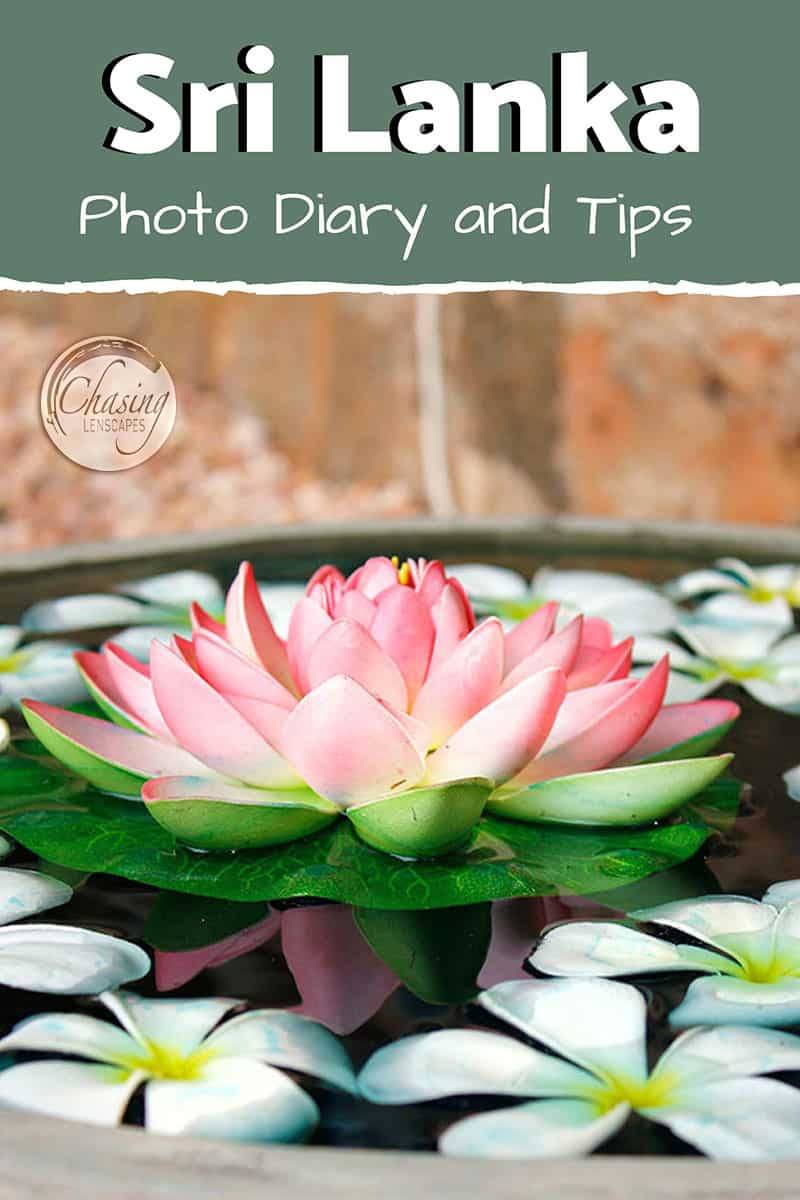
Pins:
x: 64, y: 820
x: 437, y: 954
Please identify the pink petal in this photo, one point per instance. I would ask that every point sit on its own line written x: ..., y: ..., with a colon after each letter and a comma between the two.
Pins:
x: 678, y: 722
x: 356, y: 606
x: 174, y: 968
x: 432, y: 582
x: 373, y: 577
x: 132, y: 682
x: 610, y: 735
x: 267, y: 719
x: 341, y: 980
x: 529, y: 635
x: 201, y: 620
x: 95, y: 668
x: 230, y: 671
x: 183, y: 647
x: 560, y: 651
x: 451, y: 623
x: 594, y: 666
x: 208, y: 726
x: 249, y: 628
x: 135, y: 752
x: 404, y: 628
x: 581, y: 708
x: 464, y: 683
x: 597, y: 632
x: 307, y: 624
x: 348, y: 746
x: 346, y: 648
x: 324, y: 575
x: 503, y: 737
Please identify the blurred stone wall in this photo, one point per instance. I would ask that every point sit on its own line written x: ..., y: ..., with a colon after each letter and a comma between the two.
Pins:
x: 294, y: 408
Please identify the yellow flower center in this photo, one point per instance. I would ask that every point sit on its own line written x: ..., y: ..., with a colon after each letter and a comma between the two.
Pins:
x: 762, y: 595
x: 743, y: 670
x: 403, y: 571
x: 13, y: 662
x: 164, y: 1062
x: 653, y: 1092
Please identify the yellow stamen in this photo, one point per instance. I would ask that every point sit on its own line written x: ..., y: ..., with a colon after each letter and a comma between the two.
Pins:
x: 13, y: 662
x: 404, y: 575
x: 163, y: 1062
x: 653, y: 1092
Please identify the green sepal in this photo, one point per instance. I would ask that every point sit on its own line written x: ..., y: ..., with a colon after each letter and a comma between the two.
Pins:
x: 693, y: 747
x: 271, y: 820
x: 424, y: 822
x: 635, y: 795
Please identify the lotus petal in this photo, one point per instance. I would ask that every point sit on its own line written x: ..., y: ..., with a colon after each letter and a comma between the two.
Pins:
x: 620, y: 796
x: 505, y: 735
x: 233, y: 673
x: 309, y: 621
x: 593, y: 667
x: 452, y: 622
x: 208, y: 726
x: 603, y: 950
x: 67, y: 960
x: 742, y: 1119
x: 423, y: 822
x: 464, y: 683
x: 235, y: 1099
x: 249, y: 629
x: 596, y: 1023
x: 23, y: 893
x: 211, y: 814
x: 373, y: 577
x: 346, y: 648
x: 100, y: 686
x: 284, y: 1039
x: 560, y: 650
x: 174, y: 968
x: 131, y: 680
x: 403, y: 627
x: 529, y: 635
x: 683, y: 731
x: 202, y: 622
x: 73, y: 1091
x: 347, y: 746
x: 279, y: 600
x: 112, y: 759
x: 545, y: 1129
x: 464, y: 1062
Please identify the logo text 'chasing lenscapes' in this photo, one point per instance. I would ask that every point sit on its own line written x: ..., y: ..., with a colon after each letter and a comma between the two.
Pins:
x: 661, y: 116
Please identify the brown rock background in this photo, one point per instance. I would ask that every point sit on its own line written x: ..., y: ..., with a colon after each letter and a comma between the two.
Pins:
x: 307, y: 408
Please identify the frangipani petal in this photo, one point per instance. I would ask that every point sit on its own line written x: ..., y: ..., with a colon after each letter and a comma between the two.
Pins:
x: 545, y: 1129
x: 137, y: 640
x: 598, y: 1024
x: 203, y: 722
x: 285, y: 1039
x: 704, y: 1055
x: 176, y: 589
x: 464, y: 683
x: 717, y: 1000
x: 67, y: 960
x: 238, y: 1100
x: 346, y: 648
x: 717, y: 640
x: 180, y: 1025
x: 697, y: 583
x: 463, y: 1062
x: 10, y: 638
x: 681, y: 727
x: 505, y: 735
x: 111, y: 758
x: 781, y: 894
x: 603, y: 950
x: 74, y: 1034
x: 486, y: 583
x: 630, y: 606
x: 784, y: 696
x: 249, y: 628
x: 98, y: 1095
x: 748, y: 1120
x: 731, y: 923
x: 97, y: 611
x: 327, y: 956
x: 23, y: 893
x: 738, y: 608
x: 347, y: 746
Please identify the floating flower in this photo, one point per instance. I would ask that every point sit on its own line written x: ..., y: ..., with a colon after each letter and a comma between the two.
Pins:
x: 5, y: 735
x: 56, y: 958
x: 740, y: 592
x: 203, y: 1075
x: 755, y: 657
x: 630, y: 606
x: 387, y: 703
x: 702, y: 1088
x: 40, y: 670
x: 749, y: 957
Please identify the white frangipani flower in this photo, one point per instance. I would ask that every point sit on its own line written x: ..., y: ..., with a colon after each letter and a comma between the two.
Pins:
x: 38, y: 671
x: 56, y: 958
x: 203, y: 1075
x: 630, y: 606
x: 5, y: 735
x: 702, y: 1088
x: 754, y: 656
x: 761, y: 594
x: 749, y: 959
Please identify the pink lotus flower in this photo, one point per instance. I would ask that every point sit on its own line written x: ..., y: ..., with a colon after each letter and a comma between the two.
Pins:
x: 388, y: 703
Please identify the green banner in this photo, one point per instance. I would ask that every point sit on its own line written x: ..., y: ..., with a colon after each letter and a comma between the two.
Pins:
x: 426, y: 142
